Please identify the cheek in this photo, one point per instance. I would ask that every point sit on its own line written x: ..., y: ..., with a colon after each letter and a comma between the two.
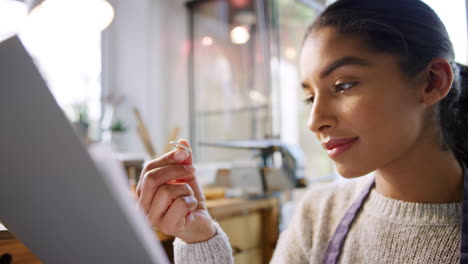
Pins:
x: 387, y: 112
x: 362, y: 115
x: 386, y: 127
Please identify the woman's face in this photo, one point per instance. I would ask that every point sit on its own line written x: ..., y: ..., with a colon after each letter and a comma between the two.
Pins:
x: 363, y: 110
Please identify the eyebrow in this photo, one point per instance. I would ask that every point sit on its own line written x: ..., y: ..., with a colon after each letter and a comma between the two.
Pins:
x: 344, y: 61
x: 348, y: 60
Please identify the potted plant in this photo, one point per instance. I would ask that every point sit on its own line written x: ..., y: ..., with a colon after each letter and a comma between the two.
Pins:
x: 81, y: 121
x: 114, y: 134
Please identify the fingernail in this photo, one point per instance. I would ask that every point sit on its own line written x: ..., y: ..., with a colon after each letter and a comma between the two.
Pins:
x: 190, y: 200
x: 181, y: 155
x: 189, y: 168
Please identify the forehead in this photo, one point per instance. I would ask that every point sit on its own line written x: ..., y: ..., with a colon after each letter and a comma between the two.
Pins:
x: 326, y: 45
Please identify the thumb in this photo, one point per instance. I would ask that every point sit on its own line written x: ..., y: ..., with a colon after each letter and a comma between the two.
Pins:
x: 189, y: 160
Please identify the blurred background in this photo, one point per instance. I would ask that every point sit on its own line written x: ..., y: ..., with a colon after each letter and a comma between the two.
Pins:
x: 221, y: 73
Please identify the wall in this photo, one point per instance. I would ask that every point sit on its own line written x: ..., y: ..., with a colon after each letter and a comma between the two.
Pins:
x: 144, y: 59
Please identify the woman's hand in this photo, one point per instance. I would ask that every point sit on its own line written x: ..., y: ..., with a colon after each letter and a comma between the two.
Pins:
x: 172, y: 199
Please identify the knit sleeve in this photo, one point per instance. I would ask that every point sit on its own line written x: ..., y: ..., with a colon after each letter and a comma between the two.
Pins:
x: 214, y: 251
x: 295, y: 242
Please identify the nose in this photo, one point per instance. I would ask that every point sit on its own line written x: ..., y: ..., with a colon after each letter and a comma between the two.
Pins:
x: 322, y: 116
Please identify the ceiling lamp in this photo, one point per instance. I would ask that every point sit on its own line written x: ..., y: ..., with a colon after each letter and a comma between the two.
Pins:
x: 80, y: 15
x: 240, y: 35
x: 12, y: 15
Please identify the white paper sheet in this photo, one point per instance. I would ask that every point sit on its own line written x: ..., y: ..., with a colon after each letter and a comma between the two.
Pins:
x: 65, y: 207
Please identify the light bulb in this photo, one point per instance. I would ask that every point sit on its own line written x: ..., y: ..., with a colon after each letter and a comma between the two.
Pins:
x: 73, y: 15
x: 240, y: 35
x: 207, y: 41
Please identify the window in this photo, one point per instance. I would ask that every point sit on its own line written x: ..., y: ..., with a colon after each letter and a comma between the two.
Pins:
x: 233, y: 50
x: 294, y: 17
x: 66, y: 46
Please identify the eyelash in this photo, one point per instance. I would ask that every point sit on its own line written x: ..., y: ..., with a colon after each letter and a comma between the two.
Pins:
x: 309, y: 100
x: 338, y: 88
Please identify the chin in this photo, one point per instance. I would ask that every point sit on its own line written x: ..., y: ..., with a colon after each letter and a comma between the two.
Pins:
x: 350, y: 172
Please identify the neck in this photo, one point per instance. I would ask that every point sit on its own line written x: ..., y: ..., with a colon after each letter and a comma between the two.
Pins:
x: 424, y: 175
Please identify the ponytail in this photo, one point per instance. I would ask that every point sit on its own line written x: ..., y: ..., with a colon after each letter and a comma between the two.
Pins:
x: 453, y: 114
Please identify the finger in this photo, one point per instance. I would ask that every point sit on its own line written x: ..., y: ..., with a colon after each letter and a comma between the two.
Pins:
x: 153, y: 179
x: 198, y: 191
x: 149, y: 166
x: 164, y: 198
x: 167, y: 173
x: 175, y: 218
x: 176, y: 156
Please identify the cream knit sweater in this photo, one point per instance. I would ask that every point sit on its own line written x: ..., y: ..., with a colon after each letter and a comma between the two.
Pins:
x: 385, y: 231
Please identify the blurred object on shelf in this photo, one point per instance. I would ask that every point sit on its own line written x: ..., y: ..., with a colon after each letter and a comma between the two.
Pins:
x: 206, y: 172
x: 282, y: 166
x: 112, y: 126
x: 248, y: 179
x: 133, y: 164
x: 111, y: 101
x: 213, y: 193
x: 223, y: 178
x: 81, y: 121
x: 144, y: 135
x: 277, y: 179
x: 114, y: 135
x: 132, y: 181
x: 239, y: 181
x: 118, y: 126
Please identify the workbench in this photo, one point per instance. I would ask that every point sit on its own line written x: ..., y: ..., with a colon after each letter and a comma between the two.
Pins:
x: 251, y: 224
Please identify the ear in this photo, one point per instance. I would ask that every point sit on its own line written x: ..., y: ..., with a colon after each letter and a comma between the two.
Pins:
x: 439, y: 78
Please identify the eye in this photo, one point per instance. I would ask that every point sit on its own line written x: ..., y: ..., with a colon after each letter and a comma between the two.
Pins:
x: 309, y: 100
x: 341, y: 87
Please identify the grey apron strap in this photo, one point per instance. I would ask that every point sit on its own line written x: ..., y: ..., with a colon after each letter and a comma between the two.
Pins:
x: 464, y: 227
x: 334, y: 247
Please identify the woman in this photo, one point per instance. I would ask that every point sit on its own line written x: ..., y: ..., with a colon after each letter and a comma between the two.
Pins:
x: 386, y: 97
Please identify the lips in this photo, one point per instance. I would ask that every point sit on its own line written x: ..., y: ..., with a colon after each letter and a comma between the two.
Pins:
x: 337, y: 146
